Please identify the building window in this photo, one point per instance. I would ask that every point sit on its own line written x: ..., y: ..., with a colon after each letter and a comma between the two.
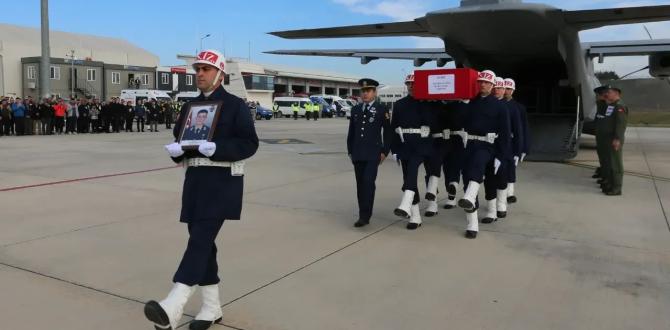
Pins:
x: 258, y: 82
x: 165, y: 78
x: 31, y: 72
x: 55, y: 72
x: 90, y: 74
x: 145, y: 79
x: 189, y: 80
x: 116, y: 78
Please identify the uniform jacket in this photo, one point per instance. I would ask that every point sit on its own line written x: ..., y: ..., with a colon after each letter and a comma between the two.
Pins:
x: 369, y: 132
x: 516, y: 127
x: 612, y: 120
x: 489, y: 115
x: 212, y: 193
x: 409, y: 112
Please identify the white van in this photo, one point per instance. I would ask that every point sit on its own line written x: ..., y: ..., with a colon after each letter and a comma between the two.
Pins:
x: 134, y: 95
x: 285, y: 103
x: 186, y: 96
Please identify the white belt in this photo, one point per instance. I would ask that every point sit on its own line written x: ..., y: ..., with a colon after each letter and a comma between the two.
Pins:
x: 488, y: 138
x: 236, y: 168
x: 439, y: 136
x: 424, y: 131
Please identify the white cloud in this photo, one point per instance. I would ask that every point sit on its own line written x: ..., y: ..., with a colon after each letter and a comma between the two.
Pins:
x: 396, y: 10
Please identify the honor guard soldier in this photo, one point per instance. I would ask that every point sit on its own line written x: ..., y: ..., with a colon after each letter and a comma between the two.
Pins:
x: 487, y: 139
x: 412, y: 145
x: 523, y: 137
x: 455, y: 156
x: 368, y: 144
x: 611, y: 131
x: 212, y: 192
x: 439, y: 133
x: 495, y: 185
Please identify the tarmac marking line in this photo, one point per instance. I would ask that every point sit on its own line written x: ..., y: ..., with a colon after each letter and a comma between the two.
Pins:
x: 86, y: 178
x: 653, y: 180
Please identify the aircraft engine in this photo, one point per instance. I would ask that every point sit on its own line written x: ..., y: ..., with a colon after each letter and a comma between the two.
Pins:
x: 659, y: 65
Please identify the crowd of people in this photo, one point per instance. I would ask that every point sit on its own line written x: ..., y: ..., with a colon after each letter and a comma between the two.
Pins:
x: 55, y: 116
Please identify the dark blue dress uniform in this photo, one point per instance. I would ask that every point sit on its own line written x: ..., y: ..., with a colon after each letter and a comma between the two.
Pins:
x: 437, y: 120
x: 486, y: 115
x: 369, y: 137
x: 410, y: 113
x: 518, y: 136
x: 194, y: 133
x: 452, y: 166
x: 211, y: 194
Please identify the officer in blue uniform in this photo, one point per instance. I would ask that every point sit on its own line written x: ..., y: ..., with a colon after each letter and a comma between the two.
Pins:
x: 368, y: 144
x: 198, y: 131
x: 487, y: 127
x: 413, y: 145
x: 453, y: 161
x: 212, y: 193
x: 520, y: 136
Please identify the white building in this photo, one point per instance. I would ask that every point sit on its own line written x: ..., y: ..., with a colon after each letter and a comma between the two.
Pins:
x: 263, y: 82
x: 17, y: 42
x: 389, y: 94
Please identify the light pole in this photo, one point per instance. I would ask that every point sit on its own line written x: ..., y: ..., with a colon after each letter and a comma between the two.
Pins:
x: 45, y: 61
x: 73, y: 76
x: 203, y: 38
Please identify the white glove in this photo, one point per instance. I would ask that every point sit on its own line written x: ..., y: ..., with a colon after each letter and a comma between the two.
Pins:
x: 523, y: 156
x: 174, y: 149
x: 496, y: 165
x: 207, y: 148
x: 516, y: 161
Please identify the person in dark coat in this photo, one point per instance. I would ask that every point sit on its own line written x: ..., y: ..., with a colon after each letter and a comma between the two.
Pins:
x: 487, y: 126
x: 129, y: 116
x: 368, y: 144
x: 520, y: 141
x: 212, y: 193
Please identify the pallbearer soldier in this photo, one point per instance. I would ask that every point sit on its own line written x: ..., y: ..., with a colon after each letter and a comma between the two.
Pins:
x: 212, y: 192
x: 522, y: 138
x: 412, y: 144
x: 453, y: 161
x: 487, y: 136
x: 368, y: 144
x: 440, y: 134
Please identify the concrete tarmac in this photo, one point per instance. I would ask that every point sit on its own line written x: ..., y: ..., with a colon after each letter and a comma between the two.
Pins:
x: 89, y: 231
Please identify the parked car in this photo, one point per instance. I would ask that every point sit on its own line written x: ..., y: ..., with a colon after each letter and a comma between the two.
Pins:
x: 262, y: 112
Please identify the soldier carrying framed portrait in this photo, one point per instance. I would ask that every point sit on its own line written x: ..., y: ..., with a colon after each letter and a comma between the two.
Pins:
x: 200, y: 124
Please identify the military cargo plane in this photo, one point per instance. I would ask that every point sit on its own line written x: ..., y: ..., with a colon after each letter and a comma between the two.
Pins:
x: 540, y: 49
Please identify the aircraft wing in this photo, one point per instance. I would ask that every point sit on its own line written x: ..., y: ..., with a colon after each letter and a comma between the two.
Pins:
x: 417, y: 27
x: 595, y: 18
x: 418, y: 55
x: 627, y: 48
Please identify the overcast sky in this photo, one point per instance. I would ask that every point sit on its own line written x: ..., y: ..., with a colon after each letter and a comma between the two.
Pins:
x: 170, y: 27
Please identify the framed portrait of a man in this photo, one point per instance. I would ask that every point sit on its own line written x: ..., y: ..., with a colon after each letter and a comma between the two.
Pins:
x: 199, y: 124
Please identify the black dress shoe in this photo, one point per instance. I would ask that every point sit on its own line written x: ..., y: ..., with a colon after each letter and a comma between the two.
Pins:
x: 401, y: 213
x: 448, y: 207
x: 466, y: 204
x: 613, y: 193
x: 501, y: 214
x: 361, y: 223
x: 595, y: 176
x: 488, y: 220
x: 470, y: 234
x: 413, y: 226
x: 430, y: 214
x: 155, y: 313
x: 202, y: 325
x: 430, y: 197
x: 511, y: 199
x: 601, y: 181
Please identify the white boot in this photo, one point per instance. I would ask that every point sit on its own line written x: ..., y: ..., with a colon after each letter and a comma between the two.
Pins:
x: 473, y: 225
x: 502, y: 203
x: 431, y: 210
x: 511, y: 198
x: 431, y: 188
x: 405, y: 205
x: 415, y: 218
x: 451, y: 195
x: 491, y: 214
x: 167, y: 313
x: 468, y: 200
x: 210, y: 312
